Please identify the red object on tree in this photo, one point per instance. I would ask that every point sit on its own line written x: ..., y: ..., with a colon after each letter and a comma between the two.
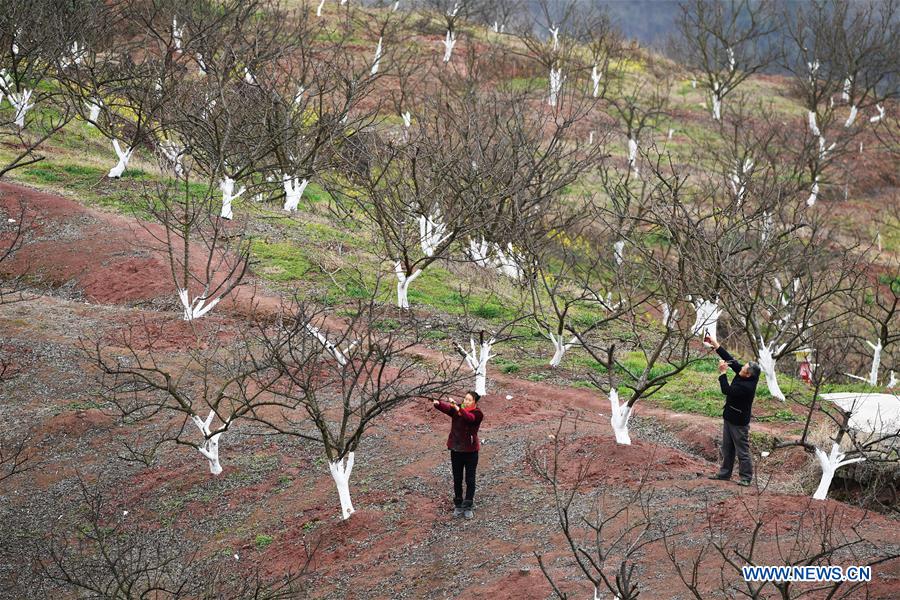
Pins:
x: 806, y: 372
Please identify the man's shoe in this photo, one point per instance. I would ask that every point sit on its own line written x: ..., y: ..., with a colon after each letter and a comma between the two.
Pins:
x: 469, y: 513
x: 718, y: 477
x: 458, y: 511
x: 744, y: 483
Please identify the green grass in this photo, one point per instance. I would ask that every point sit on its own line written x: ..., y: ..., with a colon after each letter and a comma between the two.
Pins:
x: 262, y: 540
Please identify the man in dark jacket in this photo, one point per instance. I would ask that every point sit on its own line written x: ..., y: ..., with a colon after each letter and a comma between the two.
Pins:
x: 739, y: 396
x: 464, y: 444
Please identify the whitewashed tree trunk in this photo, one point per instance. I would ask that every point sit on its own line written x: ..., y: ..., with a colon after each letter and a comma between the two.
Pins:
x: 210, y: 447
x: 173, y: 153
x: 554, y: 35
x: 591, y: 138
x: 596, y: 77
x: 669, y: 316
x: 852, y: 117
x: 479, y: 252
x: 813, y: 193
x: 707, y: 316
x: 319, y: 9
x: 767, y: 365
x: 431, y: 232
x: 407, y: 119
x: 813, y: 127
x: 228, y: 195
x: 879, y: 116
x: 876, y: 362
x: 560, y: 347
x: 892, y: 381
x: 507, y: 263
x: 619, y: 251
x: 556, y: 80
x: 716, y: 102
x: 176, y: 34
x: 632, y: 154
x: 377, y: 58
x: 830, y: 463
x: 845, y: 94
x: 768, y: 227
x: 124, y: 157
x: 293, y: 191
x: 731, y: 62
x: 477, y: 359
x: 20, y: 101
x: 341, y: 356
x: 94, y: 106
x: 449, y: 43
x: 403, y: 281
x: 341, y: 475
x: 620, y: 414
x: 196, y: 308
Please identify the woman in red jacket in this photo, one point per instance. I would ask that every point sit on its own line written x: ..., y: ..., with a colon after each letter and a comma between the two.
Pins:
x: 464, y: 445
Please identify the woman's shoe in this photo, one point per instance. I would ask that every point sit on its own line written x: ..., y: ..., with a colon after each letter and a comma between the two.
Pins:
x: 469, y: 513
x: 458, y: 511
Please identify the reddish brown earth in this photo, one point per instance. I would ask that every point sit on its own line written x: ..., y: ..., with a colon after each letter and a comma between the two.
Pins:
x: 403, y: 541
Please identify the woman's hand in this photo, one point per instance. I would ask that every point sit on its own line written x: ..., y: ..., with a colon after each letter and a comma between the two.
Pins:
x: 435, y: 402
x: 723, y: 367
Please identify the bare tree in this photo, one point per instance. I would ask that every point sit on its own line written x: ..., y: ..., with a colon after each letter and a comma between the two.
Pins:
x: 220, y: 382
x: 725, y: 42
x: 110, y: 557
x: 606, y: 540
x: 341, y: 377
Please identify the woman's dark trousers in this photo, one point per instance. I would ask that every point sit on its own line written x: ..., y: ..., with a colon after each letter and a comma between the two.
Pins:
x: 463, y: 463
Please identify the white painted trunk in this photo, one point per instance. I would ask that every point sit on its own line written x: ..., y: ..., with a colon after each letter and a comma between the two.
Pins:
x: 852, y: 117
x: 813, y: 127
x: 716, y: 107
x: 879, y: 116
x: 293, y: 191
x: 560, y: 347
x: 176, y: 34
x: 477, y: 359
x: 210, y: 446
x: 507, y: 262
x: 20, y: 102
x: 228, y: 195
x: 632, y: 154
x: 619, y: 251
x: 431, y: 232
x: 767, y: 365
x: 892, y: 381
x: 813, y: 193
x: 94, y: 106
x: 377, y: 58
x: 830, y: 463
x: 845, y: 95
x: 407, y: 119
x: 449, y: 43
x: 124, y: 157
x: 876, y: 362
x: 341, y: 356
x: 479, y: 252
x: 620, y: 414
x: 319, y: 9
x: 596, y: 77
x: 341, y: 475
x: 403, y: 281
x: 196, y: 308
x: 556, y: 80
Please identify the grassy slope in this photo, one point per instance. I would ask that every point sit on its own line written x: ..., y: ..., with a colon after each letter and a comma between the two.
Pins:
x: 315, y: 249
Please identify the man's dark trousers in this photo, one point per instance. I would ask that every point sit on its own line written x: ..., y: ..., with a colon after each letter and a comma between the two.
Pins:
x: 468, y: 462
x: 736, y: 438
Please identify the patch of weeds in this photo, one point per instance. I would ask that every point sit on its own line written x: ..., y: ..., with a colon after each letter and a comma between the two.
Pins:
x: 710, y: 408
x: 262, y: 540
x: 386, y: 325
x: 584, y: 383
x: 784, y: 415
x: 435, y: 334
x: 536, y: 377
x: 488, y: 311
x: 510, y: 368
